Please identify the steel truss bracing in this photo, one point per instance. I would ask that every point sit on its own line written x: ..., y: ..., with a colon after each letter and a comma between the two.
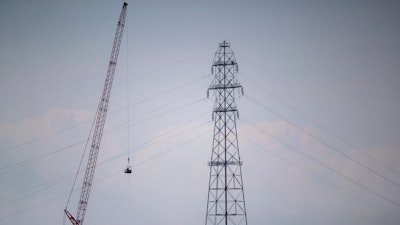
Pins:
x: 99, y: 123
x: 226, y: 203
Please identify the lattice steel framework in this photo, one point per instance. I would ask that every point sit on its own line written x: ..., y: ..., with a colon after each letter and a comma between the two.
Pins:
x: 226, y: 203
x: 100, y: 119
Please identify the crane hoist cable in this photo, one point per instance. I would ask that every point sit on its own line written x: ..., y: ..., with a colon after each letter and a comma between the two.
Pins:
x: 128, y: 169
x: 100, y: 119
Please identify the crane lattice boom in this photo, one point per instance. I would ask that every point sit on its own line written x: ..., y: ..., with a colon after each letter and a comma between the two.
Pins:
x: 99, y: 124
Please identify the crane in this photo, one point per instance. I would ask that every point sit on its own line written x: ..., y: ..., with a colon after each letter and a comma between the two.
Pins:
x: 99, y: 124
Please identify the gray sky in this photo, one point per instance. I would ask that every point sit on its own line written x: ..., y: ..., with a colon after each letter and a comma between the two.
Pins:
x: 319, y: 123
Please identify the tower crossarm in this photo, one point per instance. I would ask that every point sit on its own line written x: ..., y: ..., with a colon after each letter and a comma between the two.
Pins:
x: 224, y: 163
x: 221, y: 86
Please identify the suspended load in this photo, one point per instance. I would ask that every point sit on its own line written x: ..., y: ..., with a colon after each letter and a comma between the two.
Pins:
x: 128, y: 168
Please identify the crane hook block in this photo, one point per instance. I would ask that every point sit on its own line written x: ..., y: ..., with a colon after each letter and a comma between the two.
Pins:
x: 128, y: 169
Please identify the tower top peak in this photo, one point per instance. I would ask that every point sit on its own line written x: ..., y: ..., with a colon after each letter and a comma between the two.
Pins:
x: 224, y: 44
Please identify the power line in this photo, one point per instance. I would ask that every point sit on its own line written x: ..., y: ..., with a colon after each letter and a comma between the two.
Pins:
x: 113, y: 112
x: 14, y: 166
x: 319, y: 178
x: 321, y: 126
x: 326, y: 166
x: 150, y: 142
x: 169, y: 103
x: 140, y: 146
x: 105, y: 178
x: 169, y: 111
x: 338, y: 115
x: 170, y: 90
x: 323, y: 142
x: 137, y: 77
x: 58, y: 181
x: 65, y: 177
x: 43, y: 137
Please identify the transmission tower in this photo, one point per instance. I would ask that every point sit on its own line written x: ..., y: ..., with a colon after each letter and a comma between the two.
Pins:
x: 225, y: 204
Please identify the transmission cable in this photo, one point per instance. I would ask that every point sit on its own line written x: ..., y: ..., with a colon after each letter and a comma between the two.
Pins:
x: 321, y: 126
x: 7, y: 169
x: 42, y: 137
x: 323, y: 142
x: 152, y: 142
x: 112, y: 112
x: 118, y: 156
x: 338, y: 115
x: 67, y: 177
x: 83, y: 155
x: 318, y: 177
x: 170, y: 90
x: 327, y: 166
x: 146, y: 143
x: 104, y: 178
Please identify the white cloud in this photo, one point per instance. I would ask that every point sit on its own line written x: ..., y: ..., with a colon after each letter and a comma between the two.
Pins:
x: 35, y: 127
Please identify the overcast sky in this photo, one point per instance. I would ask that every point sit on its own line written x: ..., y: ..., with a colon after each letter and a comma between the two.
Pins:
x: 319, y: 122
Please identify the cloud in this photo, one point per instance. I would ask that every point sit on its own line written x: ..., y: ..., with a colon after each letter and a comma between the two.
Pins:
x: 35, y: 127
x: 293, y: 195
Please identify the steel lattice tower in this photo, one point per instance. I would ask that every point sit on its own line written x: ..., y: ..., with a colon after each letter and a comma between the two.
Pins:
x: 226, y: 204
